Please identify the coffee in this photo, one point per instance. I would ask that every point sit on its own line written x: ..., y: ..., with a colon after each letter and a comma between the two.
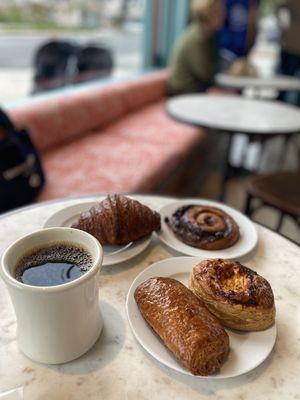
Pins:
x: 53, y: 265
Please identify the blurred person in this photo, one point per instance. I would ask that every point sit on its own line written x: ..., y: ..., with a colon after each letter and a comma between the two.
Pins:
x: 193, y: 62
x: 288, y: 14
x: 238, y: 33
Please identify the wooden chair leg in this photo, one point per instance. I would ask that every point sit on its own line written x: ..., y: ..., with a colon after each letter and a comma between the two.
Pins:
x: 248, y: 208
x: 279, y: 225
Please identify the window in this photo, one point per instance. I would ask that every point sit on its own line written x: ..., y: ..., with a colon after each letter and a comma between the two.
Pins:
x: 26, y: 25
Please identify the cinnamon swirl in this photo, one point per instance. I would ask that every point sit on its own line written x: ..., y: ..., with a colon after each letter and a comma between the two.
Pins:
x: 236, y: 295
x: 204, y: 227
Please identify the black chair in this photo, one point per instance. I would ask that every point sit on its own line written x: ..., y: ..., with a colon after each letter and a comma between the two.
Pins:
x: 51, y: 64
x: 93, y: 62
x: 58, y: 63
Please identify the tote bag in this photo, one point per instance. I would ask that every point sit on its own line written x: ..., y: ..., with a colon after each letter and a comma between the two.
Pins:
x: 21, y: 173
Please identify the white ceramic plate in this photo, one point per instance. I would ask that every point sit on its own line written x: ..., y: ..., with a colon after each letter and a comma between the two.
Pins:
x: 245, y: 244
x: 247, y: 349
x: 112, y: 254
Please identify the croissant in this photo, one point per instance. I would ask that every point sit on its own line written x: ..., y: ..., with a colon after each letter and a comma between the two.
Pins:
x: 118, y: 220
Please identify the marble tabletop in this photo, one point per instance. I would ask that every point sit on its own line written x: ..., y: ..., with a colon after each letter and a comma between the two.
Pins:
x: 117, y: 368
x: 277, y: 82
x: 235, y: 114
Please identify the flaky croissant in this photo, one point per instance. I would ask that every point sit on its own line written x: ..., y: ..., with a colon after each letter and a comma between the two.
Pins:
x: 118, y: 220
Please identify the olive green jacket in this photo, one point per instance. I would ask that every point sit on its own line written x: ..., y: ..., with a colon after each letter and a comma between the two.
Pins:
x: 193, y: 61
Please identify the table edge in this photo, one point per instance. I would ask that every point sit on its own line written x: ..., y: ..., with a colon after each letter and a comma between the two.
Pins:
x: 226, y: 130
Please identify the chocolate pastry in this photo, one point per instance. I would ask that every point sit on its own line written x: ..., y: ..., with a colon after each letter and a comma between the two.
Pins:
x: 236, y: 295
x: 204, y: 227
x: 118, y: 220
x: 185, y: 326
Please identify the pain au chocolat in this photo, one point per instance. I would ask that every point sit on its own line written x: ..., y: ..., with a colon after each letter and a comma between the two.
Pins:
x: 204, y: 227
x: 186, y: 327
x: 118, y: 220
x: 239, y: 297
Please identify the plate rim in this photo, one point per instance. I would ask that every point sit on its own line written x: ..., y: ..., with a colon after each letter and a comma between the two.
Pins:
x: 67, y: 208
x: 202, y: 252
x: 160, y: 359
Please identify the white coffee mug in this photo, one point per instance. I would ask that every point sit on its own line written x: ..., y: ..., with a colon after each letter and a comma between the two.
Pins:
x: 55, y: 324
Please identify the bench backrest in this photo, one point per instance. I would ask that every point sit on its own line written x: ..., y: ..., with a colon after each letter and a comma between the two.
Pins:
x: 59, y: 119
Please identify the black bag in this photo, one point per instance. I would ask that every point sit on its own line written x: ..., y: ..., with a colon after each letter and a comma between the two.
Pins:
x: 21, y: 173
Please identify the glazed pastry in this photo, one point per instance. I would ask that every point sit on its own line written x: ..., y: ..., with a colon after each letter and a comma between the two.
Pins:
x: 185, y: 326
x: 204, y: 227
x: 239, y: 297
x: 118, y: 220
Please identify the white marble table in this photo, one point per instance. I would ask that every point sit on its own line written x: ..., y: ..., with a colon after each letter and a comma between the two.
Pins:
x: 276, y: 82
x: 235, y: 114
x: 259, y: 87
x: 230, y: 115
x: 117, y: 368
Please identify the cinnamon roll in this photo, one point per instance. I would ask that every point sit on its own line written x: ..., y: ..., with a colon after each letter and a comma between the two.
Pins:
x: 239, y: 297
x: 204, y: 227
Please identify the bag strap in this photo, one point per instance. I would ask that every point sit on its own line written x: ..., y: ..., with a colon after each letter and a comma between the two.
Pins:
x: 6, y: 123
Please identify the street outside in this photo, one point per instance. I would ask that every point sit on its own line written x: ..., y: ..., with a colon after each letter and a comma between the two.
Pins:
x: 17, y: 52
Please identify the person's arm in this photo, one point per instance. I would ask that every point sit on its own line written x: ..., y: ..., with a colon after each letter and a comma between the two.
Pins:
x: 280, y: 4
x: 253, y: 16
x: 283, y: 14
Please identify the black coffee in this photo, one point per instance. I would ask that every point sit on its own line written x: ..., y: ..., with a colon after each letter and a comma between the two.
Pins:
x: 53, y: 265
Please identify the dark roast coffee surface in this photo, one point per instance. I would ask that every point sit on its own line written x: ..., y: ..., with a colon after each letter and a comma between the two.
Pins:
x: 53, y: 265
x: 51, y: 274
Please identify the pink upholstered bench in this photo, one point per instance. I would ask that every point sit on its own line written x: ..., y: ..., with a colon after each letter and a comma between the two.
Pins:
x: 112, y: 139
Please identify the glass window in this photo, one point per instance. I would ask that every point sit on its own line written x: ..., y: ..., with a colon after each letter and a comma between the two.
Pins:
x: 45, y: 44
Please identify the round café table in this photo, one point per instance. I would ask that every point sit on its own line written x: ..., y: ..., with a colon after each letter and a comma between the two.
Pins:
x: 276, y: 82
x: 255, y: 87
x: 230, y: 115
x: 117, y: 368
